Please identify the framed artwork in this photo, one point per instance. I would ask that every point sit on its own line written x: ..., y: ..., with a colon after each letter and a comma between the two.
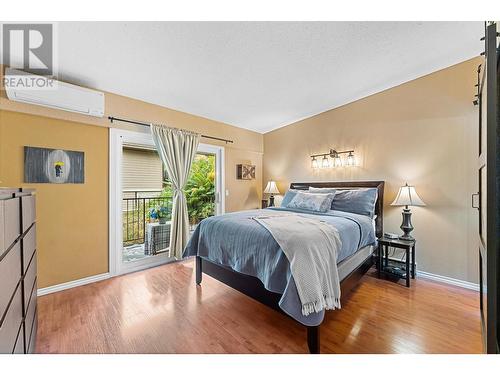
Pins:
x: 47, y: 165
x: 245, y: 172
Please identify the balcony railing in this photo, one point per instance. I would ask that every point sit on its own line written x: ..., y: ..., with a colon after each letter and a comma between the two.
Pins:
x: 136, y: 215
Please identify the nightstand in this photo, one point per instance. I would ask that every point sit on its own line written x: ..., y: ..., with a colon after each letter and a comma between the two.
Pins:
x: 396, y: 268
x: 264, y: 203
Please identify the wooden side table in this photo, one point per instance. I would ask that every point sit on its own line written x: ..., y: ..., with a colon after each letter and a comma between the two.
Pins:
x: 390, y: 266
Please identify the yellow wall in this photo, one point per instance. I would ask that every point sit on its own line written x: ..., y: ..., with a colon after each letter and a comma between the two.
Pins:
x: 73, y: 219
x: 423, y: 132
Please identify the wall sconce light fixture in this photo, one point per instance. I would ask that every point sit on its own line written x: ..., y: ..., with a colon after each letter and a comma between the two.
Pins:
x: 350, y: 159
x: 336, y: 160
x: 325, y: 163
x: 314, y: 163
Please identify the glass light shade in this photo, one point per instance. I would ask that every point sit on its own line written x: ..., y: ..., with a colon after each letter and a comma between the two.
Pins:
x: 350, y: 160
x: 407, y: 196
x: 325, y: 163
x: 314, y: 163
x: 337, y: 161
x: 271, y: 188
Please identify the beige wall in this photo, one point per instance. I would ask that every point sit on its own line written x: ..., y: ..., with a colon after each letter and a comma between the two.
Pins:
x: 73, y: 219
x: 423, y: 132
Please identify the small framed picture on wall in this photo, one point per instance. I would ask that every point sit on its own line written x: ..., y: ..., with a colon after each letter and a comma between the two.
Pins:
x: 46, y: 165
x: 245, y: 172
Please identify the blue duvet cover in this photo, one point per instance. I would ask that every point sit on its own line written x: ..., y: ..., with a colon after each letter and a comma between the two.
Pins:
x: 237, y: 241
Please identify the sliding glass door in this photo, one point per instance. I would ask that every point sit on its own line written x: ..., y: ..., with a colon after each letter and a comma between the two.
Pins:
x: 141, y: 199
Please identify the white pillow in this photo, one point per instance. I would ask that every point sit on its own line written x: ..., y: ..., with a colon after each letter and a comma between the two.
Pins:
x: 322, y: 190
x: 311, y: 202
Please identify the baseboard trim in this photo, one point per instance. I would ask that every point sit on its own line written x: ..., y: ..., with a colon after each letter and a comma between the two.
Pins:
x: 73, y: 284
x: 448, y: 280
x: 107, y: 275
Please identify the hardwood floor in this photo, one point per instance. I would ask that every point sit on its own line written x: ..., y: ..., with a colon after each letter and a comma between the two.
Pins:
x: 160, y: 310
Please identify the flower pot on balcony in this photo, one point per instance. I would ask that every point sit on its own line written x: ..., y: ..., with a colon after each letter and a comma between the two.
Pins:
x: 163, y: 220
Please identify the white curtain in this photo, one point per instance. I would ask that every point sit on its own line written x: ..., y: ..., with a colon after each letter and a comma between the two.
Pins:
x: 177, y: 149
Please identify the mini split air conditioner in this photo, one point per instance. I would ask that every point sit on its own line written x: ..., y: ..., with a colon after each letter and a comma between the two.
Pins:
x: 52, y: 94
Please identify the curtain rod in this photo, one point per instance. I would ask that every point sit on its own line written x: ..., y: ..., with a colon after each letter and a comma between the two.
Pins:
x: 111, y: 119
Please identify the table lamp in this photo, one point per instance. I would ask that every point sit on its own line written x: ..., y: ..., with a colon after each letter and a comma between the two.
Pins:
x: 407, y: 196
x: 272, y: 189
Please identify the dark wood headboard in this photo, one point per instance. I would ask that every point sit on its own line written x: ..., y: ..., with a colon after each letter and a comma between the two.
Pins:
x: 379, y: 205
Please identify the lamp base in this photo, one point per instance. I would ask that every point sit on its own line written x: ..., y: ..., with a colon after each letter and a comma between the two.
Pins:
x: 406, y: 238
x: 271, y: 201
x: 406, y: 226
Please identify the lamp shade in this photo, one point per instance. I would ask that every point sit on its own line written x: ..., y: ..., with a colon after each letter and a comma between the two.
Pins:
x: 271, y: 188
x: 407, y: 196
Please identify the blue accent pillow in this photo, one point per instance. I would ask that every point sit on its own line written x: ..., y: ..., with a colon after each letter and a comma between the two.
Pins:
x: 292, y: 192
x: 358, y: 201
x: 322, y: 191
x: 311, y: 202
x: 288, y: 197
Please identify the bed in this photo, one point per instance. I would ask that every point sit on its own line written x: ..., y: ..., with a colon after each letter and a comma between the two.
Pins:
x: 239, y: 252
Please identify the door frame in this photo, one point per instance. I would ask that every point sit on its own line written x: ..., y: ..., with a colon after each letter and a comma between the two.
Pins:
x: 489, y: 193
x: 117, y: 138
x: 492, y: 190
x: 220, y: 188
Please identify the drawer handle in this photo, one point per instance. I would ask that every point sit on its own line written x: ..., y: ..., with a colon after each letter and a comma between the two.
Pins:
x: 472, y: 200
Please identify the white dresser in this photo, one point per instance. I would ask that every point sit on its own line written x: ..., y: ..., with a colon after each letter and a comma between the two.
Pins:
x: 18, y: 287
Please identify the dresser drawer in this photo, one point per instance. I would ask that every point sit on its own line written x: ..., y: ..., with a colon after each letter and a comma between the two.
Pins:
x: 29, y: 246
x: 29, y: 280
x: 19, y: 347
x: 11, y: 323
x: 30, y: 316
x: 11, y: 225
x: 10, y: 274
x: 29, y: 211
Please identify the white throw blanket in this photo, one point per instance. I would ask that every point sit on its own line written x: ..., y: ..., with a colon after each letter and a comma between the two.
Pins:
x: 311, y: 248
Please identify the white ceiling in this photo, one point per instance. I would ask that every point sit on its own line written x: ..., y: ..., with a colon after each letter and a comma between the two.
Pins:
x: 258, y: 75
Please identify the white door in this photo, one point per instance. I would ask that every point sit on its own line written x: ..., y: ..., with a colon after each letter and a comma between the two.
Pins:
x: 489, y: 190
x: 137, y: 239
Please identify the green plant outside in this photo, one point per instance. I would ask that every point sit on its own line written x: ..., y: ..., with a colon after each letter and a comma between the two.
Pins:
x: 199, y: 190
x: 200, y: 197
x: 133, y: 227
